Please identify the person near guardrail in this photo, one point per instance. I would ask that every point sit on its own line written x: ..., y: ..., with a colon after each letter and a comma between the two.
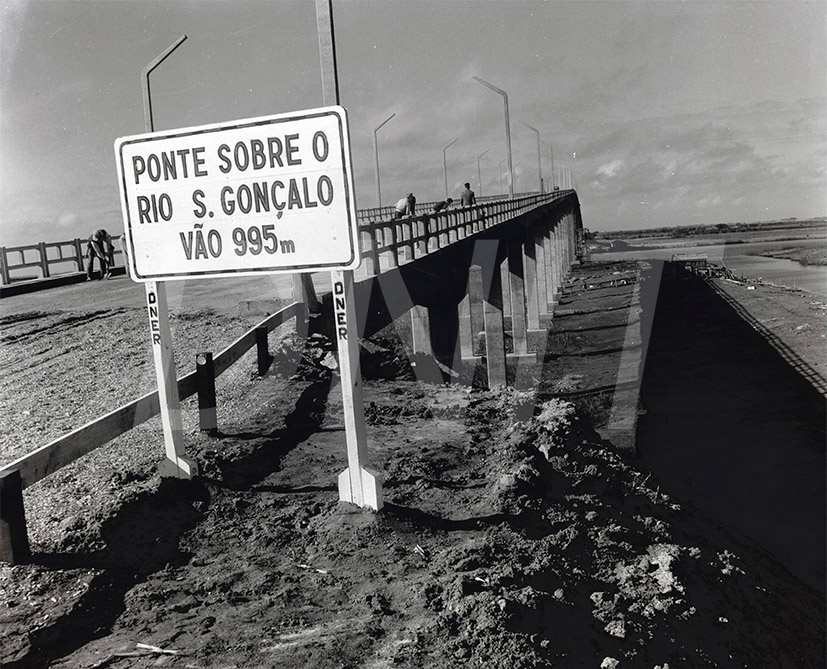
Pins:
x: 467, y: 198
x: 100, y: 246
x: 438, y: 207
x: 406, y: 206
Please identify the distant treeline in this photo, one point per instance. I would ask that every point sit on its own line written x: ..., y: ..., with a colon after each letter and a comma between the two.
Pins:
x: 713, y: 229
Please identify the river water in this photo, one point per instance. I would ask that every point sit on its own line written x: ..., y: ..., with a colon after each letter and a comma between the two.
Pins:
x: 744, y: 259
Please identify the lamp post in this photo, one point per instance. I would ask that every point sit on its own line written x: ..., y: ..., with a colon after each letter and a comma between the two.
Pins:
x: 479, y: 175
x: 539, y: 159
x: 376, y: 158
x: 445, y: 164
x: 500, y: 174
x: 507, y: 133
x: 551, y: 151
x: 566, y: 177
x: 148, y: 120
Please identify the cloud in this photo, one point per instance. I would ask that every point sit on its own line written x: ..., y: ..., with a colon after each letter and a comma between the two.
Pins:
x: 736, y: 163
x: 610, y: 169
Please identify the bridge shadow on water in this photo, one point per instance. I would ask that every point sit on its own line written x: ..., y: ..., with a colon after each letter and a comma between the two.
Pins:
x: 733, y: 428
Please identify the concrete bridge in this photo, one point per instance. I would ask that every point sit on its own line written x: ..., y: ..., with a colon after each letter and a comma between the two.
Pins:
x: 478, y: 281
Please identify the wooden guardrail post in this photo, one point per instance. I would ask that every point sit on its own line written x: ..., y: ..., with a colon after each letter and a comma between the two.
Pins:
x: 4, y: 266
x: 262, y: 352
x: 14, y: 542
x: 44, y: 259
x: 79, y: 253
x: 205, y: 383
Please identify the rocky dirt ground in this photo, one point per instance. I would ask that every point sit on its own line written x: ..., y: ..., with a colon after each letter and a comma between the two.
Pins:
x: 513, y: 535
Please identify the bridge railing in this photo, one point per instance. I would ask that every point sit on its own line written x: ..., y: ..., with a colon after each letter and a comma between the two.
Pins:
x: 388, y: 242
x: 383, y: 213
x: 51, y: 258
x: 44, y: 256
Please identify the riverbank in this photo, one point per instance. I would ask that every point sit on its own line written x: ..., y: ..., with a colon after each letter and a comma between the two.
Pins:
x: 796, y: 318
x: 804, y: 256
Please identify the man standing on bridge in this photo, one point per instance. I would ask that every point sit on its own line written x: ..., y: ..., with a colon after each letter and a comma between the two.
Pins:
x: 467, y: 198
x: 100, y: 246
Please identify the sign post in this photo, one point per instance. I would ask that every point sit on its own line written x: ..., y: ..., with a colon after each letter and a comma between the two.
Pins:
x: 357, y: 484
x: 176, y: 463
x: 257, y: 196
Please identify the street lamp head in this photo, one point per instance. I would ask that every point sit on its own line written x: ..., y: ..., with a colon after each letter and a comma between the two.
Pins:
x: 530, y: 127
x: 507, y: 130
x: 376, y: 159
x: 384, y: 122
x: 491, y: 86
x: 148, y: 120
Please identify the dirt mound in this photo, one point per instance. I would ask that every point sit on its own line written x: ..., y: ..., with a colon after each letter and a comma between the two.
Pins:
x: 508, y: 540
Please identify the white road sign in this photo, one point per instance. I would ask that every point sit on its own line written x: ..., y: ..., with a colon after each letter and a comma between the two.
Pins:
x: 261, y: 195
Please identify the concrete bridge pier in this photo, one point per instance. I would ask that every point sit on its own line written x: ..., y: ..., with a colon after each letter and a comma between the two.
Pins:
x: 485, y: 320
x: 542, y: 275
x: 440, y: 332
x: 516, y: 275
x: 560, y: 269
x: 532, y: 292
x: 465, y: 320
x: 551, y: 267
x: 490, y: 277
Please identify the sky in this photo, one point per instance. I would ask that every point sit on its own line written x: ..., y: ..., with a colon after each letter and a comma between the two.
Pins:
x: 660, y: 112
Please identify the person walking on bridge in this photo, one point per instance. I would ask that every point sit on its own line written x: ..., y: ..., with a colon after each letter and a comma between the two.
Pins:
x: 100, y: 246
x: 467, y: 198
